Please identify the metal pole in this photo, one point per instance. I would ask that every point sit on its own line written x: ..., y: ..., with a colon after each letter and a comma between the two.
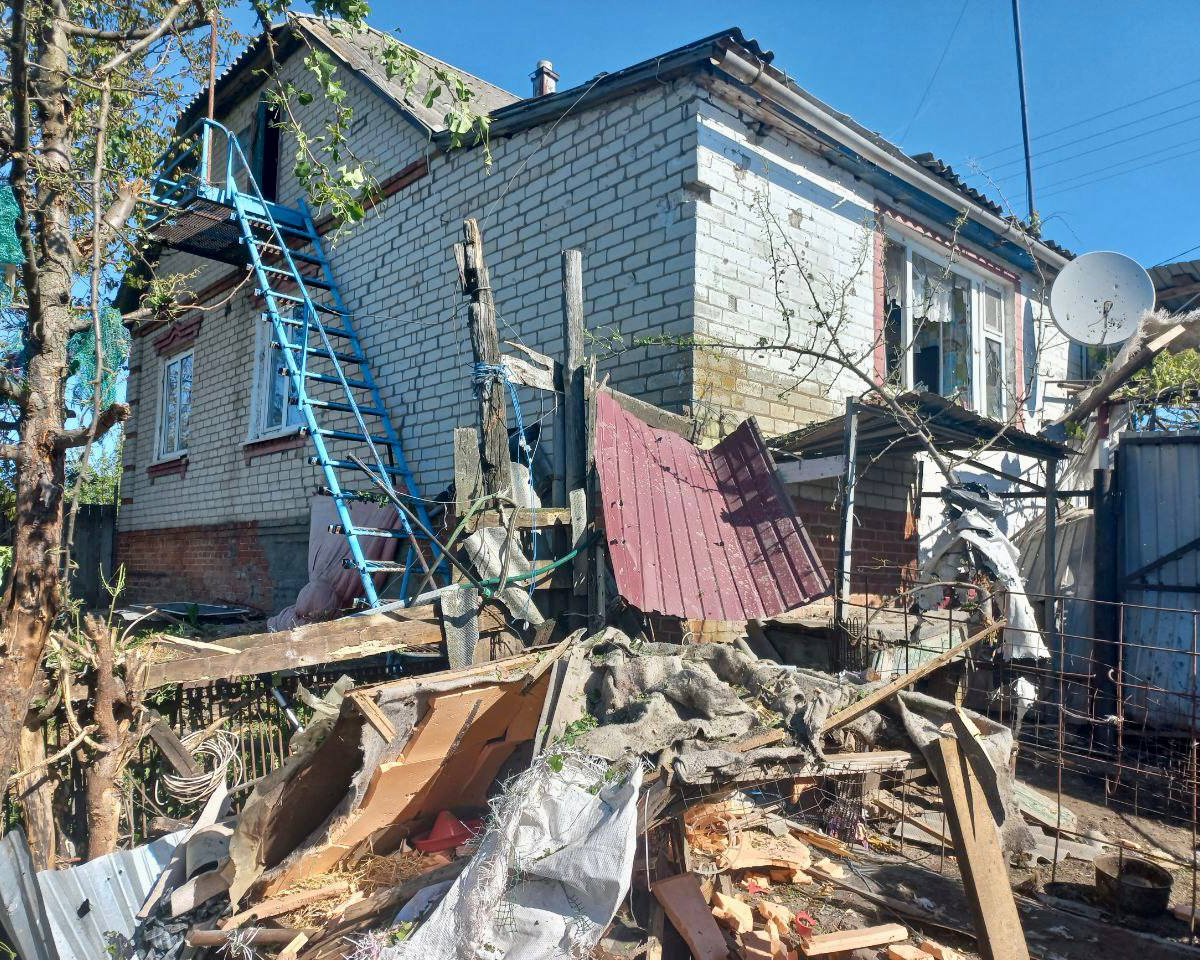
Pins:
x: 1051, y: 559
x: 1016, y: 10
x: 846, y: 537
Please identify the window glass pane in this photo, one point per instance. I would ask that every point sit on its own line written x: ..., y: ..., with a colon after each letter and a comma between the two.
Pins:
x: 276, y: 397
x: 170, y: 412
x: 930, y: 308
x: 993, y: 365
x: 185, y: 400
x: 993, y: 310
x: 893, y: 311
x: 956, y: 343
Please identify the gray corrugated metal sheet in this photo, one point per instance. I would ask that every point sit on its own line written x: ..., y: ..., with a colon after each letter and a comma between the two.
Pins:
x: 83, y: 904
x: 87, y: 902
x: 1159, y: 476
x: 22, y: 912
x: 1074, y: 578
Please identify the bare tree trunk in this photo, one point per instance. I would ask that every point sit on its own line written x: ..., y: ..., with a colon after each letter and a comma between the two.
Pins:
x: 36, y: 794
x: 112, y: 717
x: 32, y: 601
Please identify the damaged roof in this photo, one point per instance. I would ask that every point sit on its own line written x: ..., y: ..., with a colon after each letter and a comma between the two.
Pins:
x: 359, y: 50
x: 952, y: 426
x: 1176, y: 285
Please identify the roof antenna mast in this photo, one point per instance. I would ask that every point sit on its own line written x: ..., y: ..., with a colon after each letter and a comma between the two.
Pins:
x: 1016, y: 9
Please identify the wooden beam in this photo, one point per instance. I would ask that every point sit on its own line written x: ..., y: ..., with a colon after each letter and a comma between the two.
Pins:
x: 980, y: 857
x: 177, y: 755
x: 684, y: 906
x: 871, y: 700
x: 485, y: 349
x: 346, y: 639
x: 525, y: 519
x: 575, y: 412
x: 824, y: 944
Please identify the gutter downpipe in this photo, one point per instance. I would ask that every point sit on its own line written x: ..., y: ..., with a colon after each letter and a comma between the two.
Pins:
x: 753, y: 74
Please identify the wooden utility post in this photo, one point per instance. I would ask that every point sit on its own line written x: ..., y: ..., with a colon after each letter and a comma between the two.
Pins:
x: 485, y: 347
x: 574, y: 420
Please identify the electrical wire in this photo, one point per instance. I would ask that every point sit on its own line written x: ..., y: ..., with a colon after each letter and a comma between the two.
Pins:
x: 1097, y: 116
x: 1108, y: 146
x: 1064, y: 186
x: 220, y: 749
x: 1101, y: 133
x: 937, y: 69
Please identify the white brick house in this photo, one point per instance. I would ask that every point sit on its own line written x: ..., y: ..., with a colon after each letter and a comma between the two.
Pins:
x: 680, y: 178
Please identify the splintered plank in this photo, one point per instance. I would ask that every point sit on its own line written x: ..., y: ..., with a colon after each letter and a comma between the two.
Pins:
x: 980, y: 858
x: 863, y: 938
x: 346, y: 639
x: 684, y: 905
x: 875, y: 697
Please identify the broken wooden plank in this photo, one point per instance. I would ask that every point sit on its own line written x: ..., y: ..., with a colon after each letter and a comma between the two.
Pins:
x: 1043, y: 810
x: 524, y: 518
x: 875, y: 697
x: 823, y: 944
x: 176, y: 754
x: 907, y: 951
x: 246, y: 936
x: 980, y: 857
x: 200, y: 889
x: 285, y: 903
x: 373, y: 715
x: 684, y: 906
x: 349, y: 638
x: 870, y: 761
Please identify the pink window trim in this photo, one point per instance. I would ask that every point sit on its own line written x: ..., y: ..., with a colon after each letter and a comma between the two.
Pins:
x: 880, y: 285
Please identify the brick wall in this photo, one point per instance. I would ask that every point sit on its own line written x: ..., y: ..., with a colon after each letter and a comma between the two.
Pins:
x: 677, y: 199
x: 259, y: 565
x: 885, y: 541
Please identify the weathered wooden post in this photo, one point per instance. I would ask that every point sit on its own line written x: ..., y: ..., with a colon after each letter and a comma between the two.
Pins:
x: 485, y: 347
x: 575, y: 412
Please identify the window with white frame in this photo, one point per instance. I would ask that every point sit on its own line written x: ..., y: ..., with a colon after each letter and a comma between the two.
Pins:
x: 947, y: 329
x: 274, y: 410
x: 175, y: 406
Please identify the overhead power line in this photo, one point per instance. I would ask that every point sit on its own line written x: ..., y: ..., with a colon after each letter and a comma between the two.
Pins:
x: 937, y: 69
x: 1063, y: 187
x: 1101, y: 133
x: 1094, y: 116
x: 1100, y: 149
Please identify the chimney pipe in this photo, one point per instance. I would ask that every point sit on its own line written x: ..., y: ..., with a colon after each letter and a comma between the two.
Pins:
x: 545, y: 80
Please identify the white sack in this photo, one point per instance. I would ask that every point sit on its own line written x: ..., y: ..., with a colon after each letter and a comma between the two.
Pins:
x: 549, y: 873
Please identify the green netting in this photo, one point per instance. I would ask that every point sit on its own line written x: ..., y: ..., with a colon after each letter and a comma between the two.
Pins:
x: 10, y: 247
x: 81, y: 358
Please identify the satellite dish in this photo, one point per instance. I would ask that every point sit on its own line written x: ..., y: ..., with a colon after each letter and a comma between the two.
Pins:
x: 1099, y: 297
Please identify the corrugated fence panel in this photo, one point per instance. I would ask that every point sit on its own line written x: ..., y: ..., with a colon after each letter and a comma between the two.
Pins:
x: 705, y: 535
x: 1159, y: 476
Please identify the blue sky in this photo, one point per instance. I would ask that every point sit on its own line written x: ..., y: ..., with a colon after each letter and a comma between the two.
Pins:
x: 874, y: 59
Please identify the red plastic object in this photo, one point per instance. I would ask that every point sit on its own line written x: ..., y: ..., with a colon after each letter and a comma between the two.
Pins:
x: 448, y: 832
x: 804, y: 924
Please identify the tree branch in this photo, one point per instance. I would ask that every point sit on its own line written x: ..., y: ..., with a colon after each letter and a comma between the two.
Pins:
x: 9, y: 451
x: 12, y: 389
x: 128, y: 36
x: 109, y: 417
x: 144, y: 43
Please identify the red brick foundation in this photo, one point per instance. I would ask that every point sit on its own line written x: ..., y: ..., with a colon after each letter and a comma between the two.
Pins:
x: 884, y: 554
x: 222, y: 563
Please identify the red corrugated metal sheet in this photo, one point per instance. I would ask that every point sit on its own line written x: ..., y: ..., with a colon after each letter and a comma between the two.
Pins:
x: 702, y: 534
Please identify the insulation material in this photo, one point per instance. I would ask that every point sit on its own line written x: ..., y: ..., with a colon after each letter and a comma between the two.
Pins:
x: 681, y: 707
x: 549, y: 873
x: 701, y: 534
x: 971, y: 528
x: 331, y: 587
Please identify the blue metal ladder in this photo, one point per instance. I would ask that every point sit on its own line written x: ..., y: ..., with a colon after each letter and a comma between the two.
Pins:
x: 344, y: 414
